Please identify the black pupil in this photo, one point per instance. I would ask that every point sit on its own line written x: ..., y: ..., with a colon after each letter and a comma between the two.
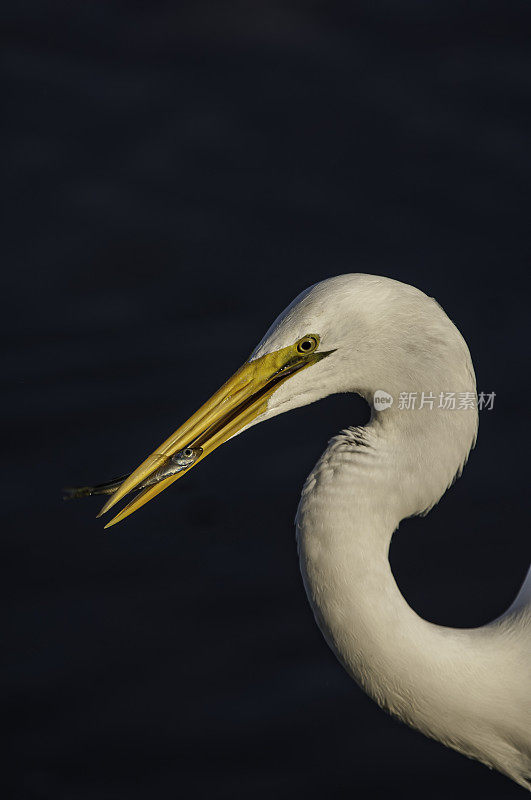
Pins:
x: 306, y: 345
x: 187, y: 452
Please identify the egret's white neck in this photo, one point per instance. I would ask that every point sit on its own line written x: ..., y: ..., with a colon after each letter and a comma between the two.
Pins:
x: 363, y: 485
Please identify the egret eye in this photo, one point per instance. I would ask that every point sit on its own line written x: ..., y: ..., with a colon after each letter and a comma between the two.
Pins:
x: 307, y: 345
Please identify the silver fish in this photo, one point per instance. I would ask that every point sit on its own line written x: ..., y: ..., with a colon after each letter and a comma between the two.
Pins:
x: 176, y: 463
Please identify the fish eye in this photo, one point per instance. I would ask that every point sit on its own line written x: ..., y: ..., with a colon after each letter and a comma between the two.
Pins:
x: 307, y: 344
x: 188, y: 452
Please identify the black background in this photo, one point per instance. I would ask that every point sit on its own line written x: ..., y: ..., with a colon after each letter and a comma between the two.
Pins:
x: 176, y: 174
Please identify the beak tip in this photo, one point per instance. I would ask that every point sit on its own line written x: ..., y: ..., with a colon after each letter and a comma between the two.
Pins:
x: 112, y: 500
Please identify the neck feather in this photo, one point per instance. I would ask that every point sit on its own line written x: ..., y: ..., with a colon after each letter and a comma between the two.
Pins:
x: 433, y: 678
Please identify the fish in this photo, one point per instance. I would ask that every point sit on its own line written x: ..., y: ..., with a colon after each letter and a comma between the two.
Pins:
x: 176, y: 463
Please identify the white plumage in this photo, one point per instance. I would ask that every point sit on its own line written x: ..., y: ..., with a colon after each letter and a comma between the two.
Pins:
x: 471, y: 689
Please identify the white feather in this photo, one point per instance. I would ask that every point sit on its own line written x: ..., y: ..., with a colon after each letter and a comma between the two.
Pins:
x: 471, y: 689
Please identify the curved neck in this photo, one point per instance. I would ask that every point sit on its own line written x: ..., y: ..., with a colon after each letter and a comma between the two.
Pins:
x: 349, y: 509
x: 352, y: 502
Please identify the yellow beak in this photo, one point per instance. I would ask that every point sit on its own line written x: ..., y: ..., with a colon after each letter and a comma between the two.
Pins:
x: 239, y: 401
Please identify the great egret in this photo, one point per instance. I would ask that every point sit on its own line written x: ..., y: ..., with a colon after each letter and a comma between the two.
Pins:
x: 470, y: 689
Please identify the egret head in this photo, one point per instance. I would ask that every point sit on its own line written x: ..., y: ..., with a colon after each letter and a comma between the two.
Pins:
x: 350, y: 333
x: 378, y: 333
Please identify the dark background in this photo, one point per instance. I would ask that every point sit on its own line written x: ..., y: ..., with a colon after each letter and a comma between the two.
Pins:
x: 176, y: 174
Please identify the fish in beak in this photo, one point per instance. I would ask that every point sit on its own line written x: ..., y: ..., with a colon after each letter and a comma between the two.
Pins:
x: 176, y: 463
x: 233, y: 407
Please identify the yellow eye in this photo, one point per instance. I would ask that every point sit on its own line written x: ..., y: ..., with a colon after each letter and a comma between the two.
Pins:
x: 307, y: 344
